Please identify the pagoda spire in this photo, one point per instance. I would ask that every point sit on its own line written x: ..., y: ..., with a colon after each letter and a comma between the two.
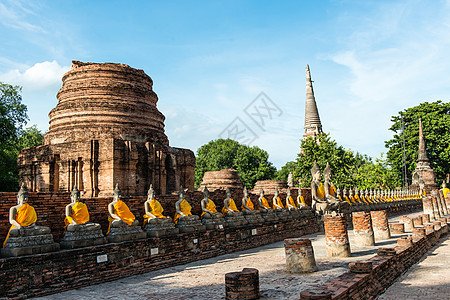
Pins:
x: 423, y: 157
x: 312, y: 119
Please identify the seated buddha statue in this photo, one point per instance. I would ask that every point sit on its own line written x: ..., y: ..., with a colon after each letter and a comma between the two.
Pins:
x: 79, y: 231
x: 300, y: 199
x: 232, y: 215
x: 276, y: 200
x: 123, y: 225
x: 184, y: 219
x: 264, y: 208
x: 252, y: 215
x: 445, y: 189
x: 210, y: 217
x: 320, y: 203
x: 24, y: 236
x: 331, y: 193
x: 290, y: 205
x: 156, y: 224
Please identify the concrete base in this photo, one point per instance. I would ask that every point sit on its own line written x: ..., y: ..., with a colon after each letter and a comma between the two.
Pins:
x: 364, y: 238
x: 382, y: 235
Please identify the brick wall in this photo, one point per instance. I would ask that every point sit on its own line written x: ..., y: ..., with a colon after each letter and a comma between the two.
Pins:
x: 49, y: 273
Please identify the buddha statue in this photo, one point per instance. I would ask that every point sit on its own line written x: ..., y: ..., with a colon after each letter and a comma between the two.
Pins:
x: 282, y: 213
x: 267, y: 213
x: 233, y: 217
x: 331, y: 194
x: 156, y: 224
x: 291, y: 205
x: 320, y: 203
x: 301, y: 203
x: 252, y: 215
x: 290, y: 181
x: 445, y: 189
x: 185, y: 221
x: 79, y: 231
x: 123, y: 225
x: 210, y: 217
x: 24, y: 236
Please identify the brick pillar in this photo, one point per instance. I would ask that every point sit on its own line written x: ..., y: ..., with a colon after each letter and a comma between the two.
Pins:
x: 242, y: 285
x: 417, y: 221
x: 408, y: 223
x: 362, y: 229
x: 437, y: 211
x: 428, y: 207
x: 299, y: 256
x: 397, y: 228
x: 336, y: 235
x: 380, y: 225
x: 425, y: 218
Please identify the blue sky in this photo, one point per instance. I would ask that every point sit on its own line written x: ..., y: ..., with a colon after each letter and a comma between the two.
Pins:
x: 210, y: 59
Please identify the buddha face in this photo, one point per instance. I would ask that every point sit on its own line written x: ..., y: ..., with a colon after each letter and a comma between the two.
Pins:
x: 22, y: 197
x: 205, y: 193
x: 317, y: 176
x: 261, y: 192
x: 74, y: 197
x: 117, y: 195
x: 228, y: 193
x: 245, y: 193
x: 276, y: 192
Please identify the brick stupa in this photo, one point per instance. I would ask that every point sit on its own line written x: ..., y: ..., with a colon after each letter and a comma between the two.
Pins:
x: 221, y: 180
x: 106, y: 129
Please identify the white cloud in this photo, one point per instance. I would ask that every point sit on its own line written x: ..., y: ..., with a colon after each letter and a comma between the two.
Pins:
x: 14, y: 13
x: 40, y: 77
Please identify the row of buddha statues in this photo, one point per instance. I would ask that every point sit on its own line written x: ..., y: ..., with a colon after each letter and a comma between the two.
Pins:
x: 25, y: 237
x: 326, y: 198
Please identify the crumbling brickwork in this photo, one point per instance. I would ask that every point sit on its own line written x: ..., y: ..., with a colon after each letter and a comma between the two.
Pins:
x: 106, y: 129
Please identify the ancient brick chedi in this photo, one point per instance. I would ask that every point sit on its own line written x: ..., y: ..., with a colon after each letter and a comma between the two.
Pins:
x: 106, y: 129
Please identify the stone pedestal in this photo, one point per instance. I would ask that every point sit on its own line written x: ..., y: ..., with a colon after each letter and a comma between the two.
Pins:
x: 407, y: 221
x: 242, y: 285
x: 190, y: 224
x: 397, y: 228
x: 121, y: 232
x: 159, y: 227
x: 362, y: 229
x: 380, y: 225
x: 214, y: 223
x: 235, y: 219
x: 336, y: 236
x: 418, y: 232
x: 295, y: 214
x: 269, y: 215
x: 299, y: 256
x: 253, y: 217
x: 283, y: 214
x: 85, y: 235
x: 29, y: 240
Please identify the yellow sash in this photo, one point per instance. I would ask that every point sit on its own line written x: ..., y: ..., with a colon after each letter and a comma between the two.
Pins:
x: 320, y: 191
x: 25, y: 216
x: 210, y: 206
x: 79, y: 214
x: 156, y: 209
x: 279, y: 203
x: 123, y: 212
x: 265, y: 203
x: 445, y: 192
x: 185, y: 208
x: 348, y: 200
x: 249, y: 204
x: 231, y: 206
x: 291, y: 201
x: 332, y: 190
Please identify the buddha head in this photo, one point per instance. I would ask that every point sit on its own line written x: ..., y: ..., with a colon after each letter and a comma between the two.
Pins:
x: 181, y: 193
x: 75, y: 195
x: 276, y: 192
x: 315, y: 172
x: 228, y: 193
x: 444, y: 184
x: 205, y: 193
x: 150, y: 193
x: 288, y: 193
x: 22, y: 195
x: 327, y: 173
x: 245, y: 192
x: 116, y: 193
x: 261, y: 192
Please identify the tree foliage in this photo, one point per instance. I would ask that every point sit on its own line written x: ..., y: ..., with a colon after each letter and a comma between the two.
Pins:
x: 349, y: 169
x: 13, y: 138
x: 436, y: 130
x: 252, y: 163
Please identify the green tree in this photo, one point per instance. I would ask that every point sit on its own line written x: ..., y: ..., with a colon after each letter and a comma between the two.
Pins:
x: 251, y: 162
x: 375, y: 175
x: 13, y: 116
x: 436, y: 130
x: 283, y: 173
